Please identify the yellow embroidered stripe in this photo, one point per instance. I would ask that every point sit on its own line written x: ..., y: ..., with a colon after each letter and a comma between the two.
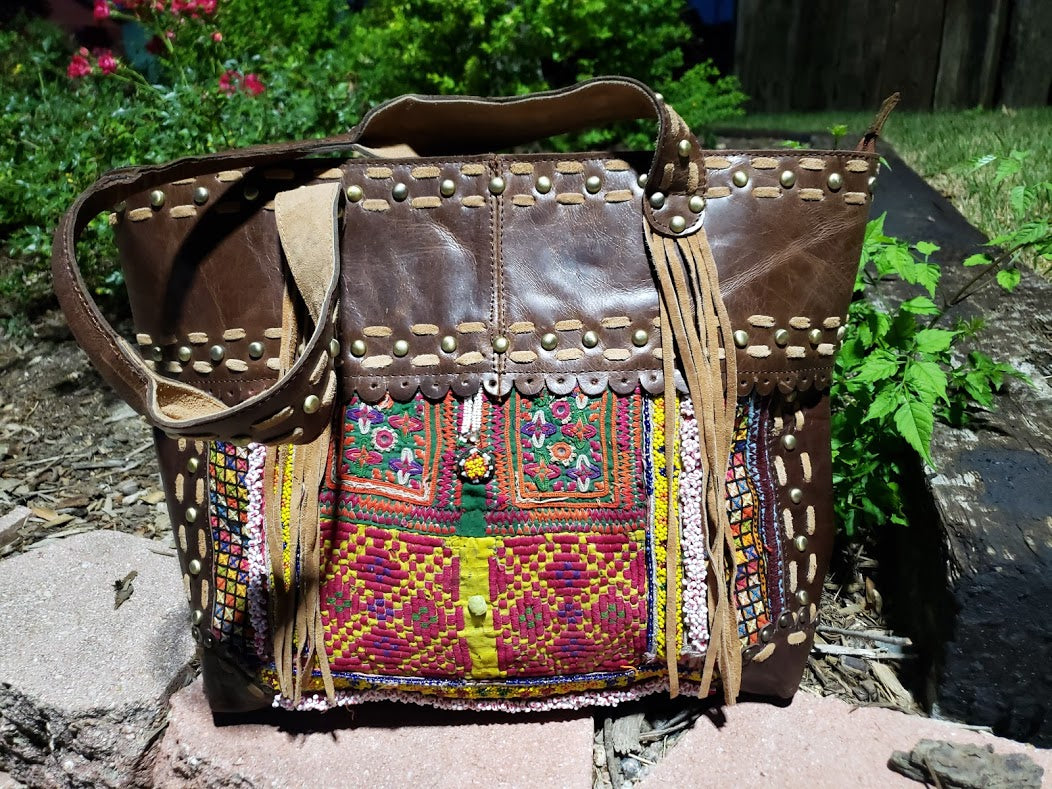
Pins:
x: 478, y: 632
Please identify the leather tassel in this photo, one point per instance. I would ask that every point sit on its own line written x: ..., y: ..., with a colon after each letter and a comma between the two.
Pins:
x: 695, y: 322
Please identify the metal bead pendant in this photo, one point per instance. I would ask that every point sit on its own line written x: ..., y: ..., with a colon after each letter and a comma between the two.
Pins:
x: 475, y: 466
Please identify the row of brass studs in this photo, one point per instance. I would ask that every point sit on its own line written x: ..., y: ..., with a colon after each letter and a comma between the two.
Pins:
x: 788, y: 179
x: 184, y: 353
x: 497, y: 185
x: 195, y: 566
x: 500, y: 343
x: 781, y: 336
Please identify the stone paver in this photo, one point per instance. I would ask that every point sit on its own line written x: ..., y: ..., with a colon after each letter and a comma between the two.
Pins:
x: 817, y: 743
x: 375, y: 746
x: 83, y: 686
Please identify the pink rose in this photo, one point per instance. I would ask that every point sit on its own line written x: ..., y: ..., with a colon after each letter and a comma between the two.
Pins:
x: 79, y: 66
x: 102, y: 10
x: 107, y: 63
x: 253, y: 85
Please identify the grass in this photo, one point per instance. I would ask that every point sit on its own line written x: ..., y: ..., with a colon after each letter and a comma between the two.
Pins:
x: 941, y: 145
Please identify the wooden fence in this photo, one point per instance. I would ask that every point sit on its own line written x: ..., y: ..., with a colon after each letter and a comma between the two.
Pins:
x: 849, y: 54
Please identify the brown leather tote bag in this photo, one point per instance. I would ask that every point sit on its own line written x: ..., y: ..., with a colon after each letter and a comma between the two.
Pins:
x: 510, y: 431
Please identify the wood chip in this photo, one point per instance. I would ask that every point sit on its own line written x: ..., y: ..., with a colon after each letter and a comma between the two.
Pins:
x: 123, y: 589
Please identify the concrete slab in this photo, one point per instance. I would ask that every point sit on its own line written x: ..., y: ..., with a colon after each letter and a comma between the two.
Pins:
x: 83, y: 686
x: 374, y: 745
x: 814, y: 742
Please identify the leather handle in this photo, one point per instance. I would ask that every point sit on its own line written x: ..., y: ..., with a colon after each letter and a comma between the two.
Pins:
x: 457, y: 125
x: 295, y: 409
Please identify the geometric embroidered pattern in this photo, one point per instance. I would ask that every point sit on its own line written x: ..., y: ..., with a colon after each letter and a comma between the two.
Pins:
x: 228, y: 498
x: 569, y: 603
x: 389, y: 602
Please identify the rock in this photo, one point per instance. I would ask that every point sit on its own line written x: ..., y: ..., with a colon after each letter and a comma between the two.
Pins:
x: 378, y: 744
x: 818, y: 743
x: 966, y: 766
x: 11, y: 523
x: 84, y: 687
x: 975, y: 563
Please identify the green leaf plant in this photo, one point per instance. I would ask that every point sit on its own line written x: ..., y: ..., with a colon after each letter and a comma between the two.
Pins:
x: 902, y: 368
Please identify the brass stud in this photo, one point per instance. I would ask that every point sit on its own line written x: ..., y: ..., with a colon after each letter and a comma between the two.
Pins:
x: 447, y: 188
x: 835, y: 181
x: 255, y: 350
x: 334, y: 347
x: 787, y: 179
x: 640, y: 337
x: 200, y: 195
x: 400, y: 192
x: 642, y: 180
x: 840, y: 333
x: 659, y: 97
x: 198, y: 616
x: 657, y: 200
x: 207, y: 639
x: 216, y: 353
x: 192, y: 465
x: 804, y: 615
x: 677, y: 224
x: 544, y: 184
x: 156, y: 353
x: 789, y: 441
x: 401, y: 348
x: 194, y: 567
x: 195, y: 634
x: 358, y: 348
x: 696, y: 204
x: 497, y: 185
x: 767, y: 633
x: 191, y: 514
x: 183, y: 353
x: 684, y: 147
x: 549, y: 341
x: 786, y: 620
x: 781, y: 337
x: 800, y: 543
x: 803, y: 597
x: 355, y: 193
x: 593, y: 184
x: 156, y: 198
x: 311, y: 404
x: 449, y: 343
x: 251, y: 193
x: 815, y: 336
x: 740, y: 178
x: 501, y: 344
x: 589, y: 339
x: 872, y: 182
x: 796, y: 495
x: 741, y: 338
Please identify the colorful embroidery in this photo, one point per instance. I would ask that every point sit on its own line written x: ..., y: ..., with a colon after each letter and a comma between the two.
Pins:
x: 228, y: 497
x: 745, y: 507
x: 546, y: 577
x: 569, y: 603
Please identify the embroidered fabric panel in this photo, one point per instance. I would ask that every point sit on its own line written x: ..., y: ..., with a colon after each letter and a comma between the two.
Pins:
x: 228, y: 496
x: 569, y: 603
x: 750, y: 504
x: 545, y: 577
